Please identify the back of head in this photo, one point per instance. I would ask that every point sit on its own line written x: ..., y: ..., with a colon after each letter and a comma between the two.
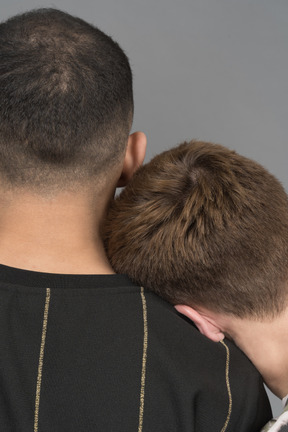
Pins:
x: 202, y: 225
x: 66, y: 100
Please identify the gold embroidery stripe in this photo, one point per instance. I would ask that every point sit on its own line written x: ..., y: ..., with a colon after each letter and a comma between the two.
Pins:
x: 41, y: 357
x: 228, y: 386
x: 144, y: 360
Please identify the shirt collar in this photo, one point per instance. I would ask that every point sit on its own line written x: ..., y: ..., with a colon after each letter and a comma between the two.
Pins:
x: 285, y: 400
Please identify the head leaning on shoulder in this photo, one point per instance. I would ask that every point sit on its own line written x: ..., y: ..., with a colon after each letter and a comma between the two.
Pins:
x: 66, y: 103
x: 207, y: 230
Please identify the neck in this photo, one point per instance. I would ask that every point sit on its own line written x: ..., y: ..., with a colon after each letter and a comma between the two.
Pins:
x: 58, y: 234
x: 265, y: 343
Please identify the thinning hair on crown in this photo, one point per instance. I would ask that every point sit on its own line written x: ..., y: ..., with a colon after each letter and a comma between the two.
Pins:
x: 66, y: 101
x: 202, y: 225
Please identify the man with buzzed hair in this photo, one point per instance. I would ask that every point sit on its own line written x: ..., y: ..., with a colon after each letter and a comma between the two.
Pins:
x: 83, y: 348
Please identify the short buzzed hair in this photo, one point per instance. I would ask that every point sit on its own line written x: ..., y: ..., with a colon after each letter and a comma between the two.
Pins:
x: 202, y: 225
x: 66, y: 102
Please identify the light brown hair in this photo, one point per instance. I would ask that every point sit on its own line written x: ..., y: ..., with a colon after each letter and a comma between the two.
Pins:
x: 202, y: 225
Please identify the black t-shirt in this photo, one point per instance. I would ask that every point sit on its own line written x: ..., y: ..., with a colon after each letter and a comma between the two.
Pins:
x: 98, y: 353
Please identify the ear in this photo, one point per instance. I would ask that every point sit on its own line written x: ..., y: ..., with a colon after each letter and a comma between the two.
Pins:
x: 134, y: 157
x: 208, y: 327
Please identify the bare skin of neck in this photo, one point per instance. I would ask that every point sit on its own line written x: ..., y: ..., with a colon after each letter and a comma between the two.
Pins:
x: 56, y: 234
x: 59, y: 232
x: 265, y: 343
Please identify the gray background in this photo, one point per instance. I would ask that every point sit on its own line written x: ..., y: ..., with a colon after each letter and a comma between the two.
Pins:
x: 209, y: 69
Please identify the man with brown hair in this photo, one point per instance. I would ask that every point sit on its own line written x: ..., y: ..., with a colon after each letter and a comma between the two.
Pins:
x: 207, y: 230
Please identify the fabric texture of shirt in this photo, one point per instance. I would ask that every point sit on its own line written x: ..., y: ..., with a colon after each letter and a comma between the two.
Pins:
x: 98, y: 353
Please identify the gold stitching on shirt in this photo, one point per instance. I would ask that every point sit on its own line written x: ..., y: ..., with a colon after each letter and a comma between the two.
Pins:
x: 41, y: 357
x: 228, y: 386
x: 144, y: 360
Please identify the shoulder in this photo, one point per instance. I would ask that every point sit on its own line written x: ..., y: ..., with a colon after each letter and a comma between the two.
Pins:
x: 225, y: 384
x: 179, y: 340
